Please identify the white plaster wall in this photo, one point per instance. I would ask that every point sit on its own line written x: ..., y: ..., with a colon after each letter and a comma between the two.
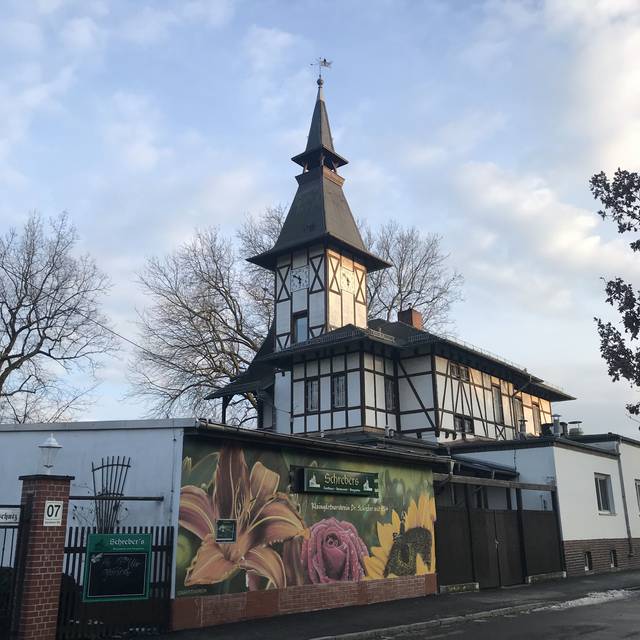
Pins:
x: 282, y: 409
x: 577, y: 496
x: 535, y: 465
x: 630, y: 459
x: 154, y: 446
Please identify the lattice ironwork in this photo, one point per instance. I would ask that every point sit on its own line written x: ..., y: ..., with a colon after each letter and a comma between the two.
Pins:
x: 109, y: 478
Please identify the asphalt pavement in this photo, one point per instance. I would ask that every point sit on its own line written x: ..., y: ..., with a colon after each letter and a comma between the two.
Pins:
x: 456, y: 614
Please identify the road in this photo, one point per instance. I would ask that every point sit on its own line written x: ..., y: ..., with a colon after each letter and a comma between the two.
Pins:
x: 614, y: 619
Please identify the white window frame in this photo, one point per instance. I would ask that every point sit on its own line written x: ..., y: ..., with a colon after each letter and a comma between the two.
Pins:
x: 312, y: 395
x: 603, y: 477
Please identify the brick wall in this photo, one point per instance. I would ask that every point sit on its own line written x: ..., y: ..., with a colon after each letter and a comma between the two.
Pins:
x: 38, y: 615
x: 205, y: 611
x: 574, y: 551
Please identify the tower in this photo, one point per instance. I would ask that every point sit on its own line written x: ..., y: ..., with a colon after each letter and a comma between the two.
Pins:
x: 319, y: 260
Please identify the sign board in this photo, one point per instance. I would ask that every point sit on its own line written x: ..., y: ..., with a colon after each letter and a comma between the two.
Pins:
x: 225, y: 530
x: 9, y: 515
x: 117, y: 567
x: 53, y: 513
x: 352, y: 483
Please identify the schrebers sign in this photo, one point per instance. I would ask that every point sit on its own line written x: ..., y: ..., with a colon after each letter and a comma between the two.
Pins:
x: 352, y: 483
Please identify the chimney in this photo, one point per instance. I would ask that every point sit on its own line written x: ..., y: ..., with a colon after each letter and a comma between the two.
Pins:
x: 557, y: 428
x: 411, y: 317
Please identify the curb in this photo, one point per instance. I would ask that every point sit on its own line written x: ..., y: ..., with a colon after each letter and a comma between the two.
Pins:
x: 404, y: 629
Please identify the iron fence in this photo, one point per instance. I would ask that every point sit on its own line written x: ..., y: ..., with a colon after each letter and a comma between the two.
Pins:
x: 88, y: 620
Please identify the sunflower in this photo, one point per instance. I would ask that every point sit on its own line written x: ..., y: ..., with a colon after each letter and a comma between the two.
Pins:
x: 406, y: 544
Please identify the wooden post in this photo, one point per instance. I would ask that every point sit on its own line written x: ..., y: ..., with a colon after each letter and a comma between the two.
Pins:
x: 468, y: 507
x: 523, y: 551
x: 43, y: 556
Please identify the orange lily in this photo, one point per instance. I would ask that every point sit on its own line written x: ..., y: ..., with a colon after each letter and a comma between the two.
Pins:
x: 263, y: 516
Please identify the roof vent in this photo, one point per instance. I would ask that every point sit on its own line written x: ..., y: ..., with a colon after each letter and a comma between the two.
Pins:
x: 411, y: 317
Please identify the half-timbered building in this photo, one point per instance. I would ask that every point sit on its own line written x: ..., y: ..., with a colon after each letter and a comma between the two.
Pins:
x: 326, y: 367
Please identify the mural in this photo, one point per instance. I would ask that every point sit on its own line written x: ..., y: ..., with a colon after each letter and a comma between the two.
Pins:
x: 282, y: 538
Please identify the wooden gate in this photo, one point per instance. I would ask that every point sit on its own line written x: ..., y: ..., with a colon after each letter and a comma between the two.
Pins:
x: 89, y: 620
x: 14, y: 526
x: 495, y: 547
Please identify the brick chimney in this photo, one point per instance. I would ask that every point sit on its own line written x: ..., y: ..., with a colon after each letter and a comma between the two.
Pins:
x: 411, y: 317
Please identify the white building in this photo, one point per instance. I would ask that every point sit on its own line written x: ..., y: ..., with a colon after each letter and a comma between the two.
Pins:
x: 598, y: 488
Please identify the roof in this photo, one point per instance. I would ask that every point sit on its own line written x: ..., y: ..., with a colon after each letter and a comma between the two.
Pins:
x: 475, y: 446
x: 404, y: 337
x: 258, y: 375
x: 100, y: 425
x: 605, y: 437
x: 319, y: 213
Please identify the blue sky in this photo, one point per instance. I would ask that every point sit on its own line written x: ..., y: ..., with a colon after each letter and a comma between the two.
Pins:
x: 481, y: 121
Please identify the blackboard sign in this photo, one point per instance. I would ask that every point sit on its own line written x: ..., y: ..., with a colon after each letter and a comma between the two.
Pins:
x: 117, y: 567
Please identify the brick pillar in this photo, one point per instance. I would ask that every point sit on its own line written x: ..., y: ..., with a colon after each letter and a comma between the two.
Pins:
x: 43, y: 556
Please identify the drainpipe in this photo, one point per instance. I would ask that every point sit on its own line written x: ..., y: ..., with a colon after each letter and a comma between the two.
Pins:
x: 624, y: 500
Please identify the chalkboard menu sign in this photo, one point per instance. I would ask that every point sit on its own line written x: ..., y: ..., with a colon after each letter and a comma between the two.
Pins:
x: 117, y: 567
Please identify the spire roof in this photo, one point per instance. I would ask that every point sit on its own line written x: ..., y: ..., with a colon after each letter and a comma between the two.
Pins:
x: 320, y: 131
x: 319, y: 213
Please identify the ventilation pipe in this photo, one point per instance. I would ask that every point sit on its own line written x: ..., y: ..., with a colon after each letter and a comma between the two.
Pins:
x: 557, y: 428
x: 522, y: 428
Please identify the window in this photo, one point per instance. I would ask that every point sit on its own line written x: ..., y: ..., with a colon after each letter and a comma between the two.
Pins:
x: 498, y: 410
x: 603, y: 493
x: 536, y: 417
x: 459, y: 371
x: 481, y: 497
x: 390, y: 394
x: 588, y: 561
x: 339, y: 391
x: 518, y: 412
x: 312, y: 388
x: 613, y: 558
x: 300, y: 328
x: 463, y: 424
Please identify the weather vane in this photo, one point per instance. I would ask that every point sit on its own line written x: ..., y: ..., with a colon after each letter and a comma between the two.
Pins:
x: 321, y: 62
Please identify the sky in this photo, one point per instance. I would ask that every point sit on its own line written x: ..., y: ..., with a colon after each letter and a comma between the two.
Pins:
x: 479, y: 121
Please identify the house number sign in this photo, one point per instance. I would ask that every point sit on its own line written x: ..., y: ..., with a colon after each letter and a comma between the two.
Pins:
x: 53, y: 513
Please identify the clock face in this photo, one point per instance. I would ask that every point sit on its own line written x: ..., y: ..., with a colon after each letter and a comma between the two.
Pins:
x: 347, y: 280
x: 299, y: 278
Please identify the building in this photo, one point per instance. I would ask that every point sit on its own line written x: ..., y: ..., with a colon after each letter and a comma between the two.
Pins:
x: 598, y: 491
x: 325, y: 367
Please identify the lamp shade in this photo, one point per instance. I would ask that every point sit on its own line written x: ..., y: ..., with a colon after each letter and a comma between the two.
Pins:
x: 49, y: 450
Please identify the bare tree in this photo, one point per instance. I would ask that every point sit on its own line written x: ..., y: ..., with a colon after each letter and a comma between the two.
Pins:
x: 53, y: 332
x: 200, y: 329
x: 210, y: 310
x: 419, y: 275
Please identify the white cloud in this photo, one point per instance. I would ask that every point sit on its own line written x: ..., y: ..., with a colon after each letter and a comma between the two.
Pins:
x: 151, y: 25
x: 80, y: 34
x: 133, y: 132
x: 532, y: 219
x: 266, y: 48
x: 215, y: 12
x: 21, y: 35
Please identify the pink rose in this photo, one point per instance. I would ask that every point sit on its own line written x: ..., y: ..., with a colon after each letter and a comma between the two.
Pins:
x: 333, y: 552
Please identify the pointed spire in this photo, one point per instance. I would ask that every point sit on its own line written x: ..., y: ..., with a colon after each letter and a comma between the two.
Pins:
x: 320, y: 150
x: 320, y: 131
x: 319, y: 213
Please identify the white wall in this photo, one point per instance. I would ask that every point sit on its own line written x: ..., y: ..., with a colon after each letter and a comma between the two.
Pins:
x: 154, y: 446
x: 630, y: 460
x: 580, y: 519
x: 535, y: 465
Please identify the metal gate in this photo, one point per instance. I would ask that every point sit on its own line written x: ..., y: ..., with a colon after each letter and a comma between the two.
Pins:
x: 14, y: 523
x: 89, y: 620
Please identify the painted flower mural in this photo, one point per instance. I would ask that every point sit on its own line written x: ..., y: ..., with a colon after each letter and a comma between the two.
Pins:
x: 405, y: 543
x: 263, y: 517
x: 333, y: 551
x: 285, y: 538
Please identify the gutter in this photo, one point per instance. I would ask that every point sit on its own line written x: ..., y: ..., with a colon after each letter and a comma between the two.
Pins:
x: 624, y: 500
